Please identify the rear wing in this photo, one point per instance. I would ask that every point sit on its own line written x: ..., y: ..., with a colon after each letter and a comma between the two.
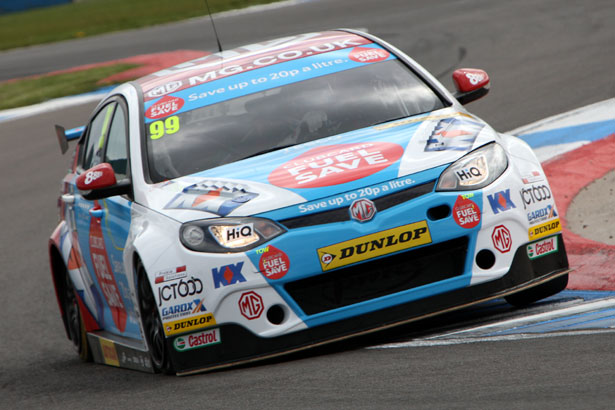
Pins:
x: 65, y: 136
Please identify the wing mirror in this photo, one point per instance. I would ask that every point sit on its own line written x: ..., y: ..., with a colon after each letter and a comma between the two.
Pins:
x: 99, y: 182
x: 471, y: 84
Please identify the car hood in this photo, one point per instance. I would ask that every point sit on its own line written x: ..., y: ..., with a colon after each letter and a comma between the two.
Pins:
x: 334, y: 166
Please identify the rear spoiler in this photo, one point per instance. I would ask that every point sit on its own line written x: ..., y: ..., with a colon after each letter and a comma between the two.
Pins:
x: 65, y: 136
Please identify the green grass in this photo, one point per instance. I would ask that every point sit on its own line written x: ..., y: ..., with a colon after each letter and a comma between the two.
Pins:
x: 90, y: 17
x: 34, y: 90
x: 86, y: 18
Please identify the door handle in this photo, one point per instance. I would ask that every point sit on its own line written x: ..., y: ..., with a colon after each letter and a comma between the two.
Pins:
x: 68, y: 198
x: 97, y: 212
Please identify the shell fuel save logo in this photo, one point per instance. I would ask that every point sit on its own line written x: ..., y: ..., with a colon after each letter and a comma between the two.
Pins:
x: 374, y: 245
x: 336, y: 164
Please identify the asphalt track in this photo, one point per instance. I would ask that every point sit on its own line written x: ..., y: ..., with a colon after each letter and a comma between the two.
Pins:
x: 543, y: 59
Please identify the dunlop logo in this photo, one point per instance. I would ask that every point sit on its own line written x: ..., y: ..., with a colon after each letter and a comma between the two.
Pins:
x: 545, y: 229
x: 374, y: 245
x: 189, y: 324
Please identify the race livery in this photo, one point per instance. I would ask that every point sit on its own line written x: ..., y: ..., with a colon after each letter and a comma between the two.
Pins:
x: 281, y: 195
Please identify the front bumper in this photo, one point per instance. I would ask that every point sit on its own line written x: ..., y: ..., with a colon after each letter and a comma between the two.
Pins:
x: 239, y: 345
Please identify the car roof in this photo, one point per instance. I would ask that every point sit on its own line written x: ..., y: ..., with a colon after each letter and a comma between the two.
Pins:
x: 250, y: 57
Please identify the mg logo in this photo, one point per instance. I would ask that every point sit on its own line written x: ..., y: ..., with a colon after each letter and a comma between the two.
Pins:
x: 251, y: 305
x: 502, y: 240
x: 362, y: 210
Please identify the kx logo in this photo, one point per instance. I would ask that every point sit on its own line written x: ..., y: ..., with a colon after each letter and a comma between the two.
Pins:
x: 227, y: 275
x: 500, y: 201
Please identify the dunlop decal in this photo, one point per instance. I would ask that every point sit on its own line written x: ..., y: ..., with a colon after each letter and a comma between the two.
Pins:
x: 189, y: 324
x: 545, y: 229
x: 374, y: 245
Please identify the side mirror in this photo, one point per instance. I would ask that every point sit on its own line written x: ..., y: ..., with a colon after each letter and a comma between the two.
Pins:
x: 99, y: 182
x: 471, y: 84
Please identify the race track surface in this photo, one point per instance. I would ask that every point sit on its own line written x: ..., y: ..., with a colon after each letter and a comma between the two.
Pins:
x: 544, y: 58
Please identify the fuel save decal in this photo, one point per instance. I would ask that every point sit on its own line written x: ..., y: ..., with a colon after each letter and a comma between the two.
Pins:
x: 165, y: 106
x: 465, y: 212
x: 274, y: 263
x: 373, y: 245
x: 335, y: 164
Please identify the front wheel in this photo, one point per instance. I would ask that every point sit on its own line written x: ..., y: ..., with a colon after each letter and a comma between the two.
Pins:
x: 531, y: 295
x: 74, y: 320
x: 152, y: 325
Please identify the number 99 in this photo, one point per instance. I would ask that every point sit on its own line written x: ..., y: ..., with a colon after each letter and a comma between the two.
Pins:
x: 158, y: 129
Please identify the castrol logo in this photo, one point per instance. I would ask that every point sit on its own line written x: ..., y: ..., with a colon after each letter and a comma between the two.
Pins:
x: 368, y: 55
x: 336, y: 164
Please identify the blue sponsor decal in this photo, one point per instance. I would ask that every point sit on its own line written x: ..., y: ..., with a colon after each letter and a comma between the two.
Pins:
x: 542, y: 214
x: 270, y: 77
x: 453, y: 134
x: 227, y: 275
x: 500, y: 201
x: 184, y: 309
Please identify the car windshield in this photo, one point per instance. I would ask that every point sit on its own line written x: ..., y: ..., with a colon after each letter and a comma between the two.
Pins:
x: 295, y: 113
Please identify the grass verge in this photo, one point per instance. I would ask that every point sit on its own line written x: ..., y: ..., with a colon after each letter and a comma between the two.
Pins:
x: 35, y: 90
x: 90, y: 17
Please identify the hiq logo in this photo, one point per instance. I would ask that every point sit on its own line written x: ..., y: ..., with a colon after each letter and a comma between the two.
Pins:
x: 500, y: 201
x: 227, y: 275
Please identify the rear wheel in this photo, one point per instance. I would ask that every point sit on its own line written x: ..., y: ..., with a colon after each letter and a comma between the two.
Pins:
x: 531, y: 295
x: 152, y: 325
x: 74, y: 321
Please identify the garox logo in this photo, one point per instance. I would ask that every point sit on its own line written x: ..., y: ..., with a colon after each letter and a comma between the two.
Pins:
x: 251, y: 305
x: 362, y: 210
x: 368, y: 55
x: 195, y: 340
x: 164, y: 107
x: 373, y: 245
x: 502, y: 239
x: 542, y: 248
x: 186, y: 325
x: 336, y: 164
x: 535, y: 193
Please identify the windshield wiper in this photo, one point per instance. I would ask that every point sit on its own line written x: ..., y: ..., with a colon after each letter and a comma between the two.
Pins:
x: 389, y: 120
x: 268, y: 150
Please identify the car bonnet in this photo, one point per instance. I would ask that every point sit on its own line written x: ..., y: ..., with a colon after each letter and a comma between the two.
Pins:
x: 406, y: 152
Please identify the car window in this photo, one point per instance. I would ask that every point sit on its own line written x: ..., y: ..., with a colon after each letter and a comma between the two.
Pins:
x: 116, y: 152
x: 299, y: 112
x: 95, y: 141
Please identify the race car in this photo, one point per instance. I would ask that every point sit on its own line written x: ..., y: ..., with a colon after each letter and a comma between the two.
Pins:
x: 286, y: 194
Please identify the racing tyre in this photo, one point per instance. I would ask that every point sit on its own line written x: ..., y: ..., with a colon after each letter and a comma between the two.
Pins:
x: 152, y: 325
x: 74, y: 320
x: 531, y: 295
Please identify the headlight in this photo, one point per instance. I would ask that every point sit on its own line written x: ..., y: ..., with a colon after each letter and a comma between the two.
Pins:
x: 228, y: 234
x: 475, y: 170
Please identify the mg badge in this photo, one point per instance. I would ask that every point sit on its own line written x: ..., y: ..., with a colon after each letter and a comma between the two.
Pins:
x: 362, y: 210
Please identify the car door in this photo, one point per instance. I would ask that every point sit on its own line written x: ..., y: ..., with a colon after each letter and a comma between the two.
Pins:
x: 102, y: 225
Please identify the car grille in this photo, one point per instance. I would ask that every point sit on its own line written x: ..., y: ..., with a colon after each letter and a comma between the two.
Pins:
x: 341, y: 214
x: 379, y: 277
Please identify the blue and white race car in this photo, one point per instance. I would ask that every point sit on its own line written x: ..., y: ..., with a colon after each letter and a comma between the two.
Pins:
x: 281, y: 195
